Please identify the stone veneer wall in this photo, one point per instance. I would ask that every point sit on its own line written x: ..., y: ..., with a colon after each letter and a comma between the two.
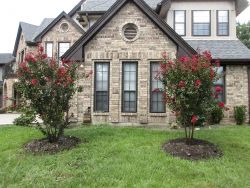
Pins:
x: 236, y: 90
x: 109, y: 46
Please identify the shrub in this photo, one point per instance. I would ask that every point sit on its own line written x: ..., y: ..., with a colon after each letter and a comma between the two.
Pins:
x: 215, y: 114
x: 48, y: 86
x: 240, y: 114
x: 27, y: 117
x: 189, y: 88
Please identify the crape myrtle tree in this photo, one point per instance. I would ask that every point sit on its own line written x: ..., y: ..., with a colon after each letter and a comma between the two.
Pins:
x: 189, y: 90
x: 48, y: 86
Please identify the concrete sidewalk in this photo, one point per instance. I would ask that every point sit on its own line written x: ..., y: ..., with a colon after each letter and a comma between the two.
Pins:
x: 7, y: 119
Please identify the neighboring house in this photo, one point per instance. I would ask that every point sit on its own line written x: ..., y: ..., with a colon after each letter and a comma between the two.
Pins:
x: 5, y: 59
x: 55, y: 34
x: 123, y: 44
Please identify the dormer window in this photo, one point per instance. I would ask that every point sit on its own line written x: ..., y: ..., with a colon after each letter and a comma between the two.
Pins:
x: 222, y: 23
x: 180, y: 22
x: 201, y: 23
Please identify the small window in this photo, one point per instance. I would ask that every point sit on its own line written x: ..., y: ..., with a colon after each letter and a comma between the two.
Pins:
x: 221, y: 83
x: 201, y: 23
x: 62, y: 48
x: 222, y: 23
x: 180, y: 22
x: 101, y: 101
x: 49, y: 49
x: 64, y: 27
x: 130, y: 32
x: 157, y: 103
x: 129, y: 87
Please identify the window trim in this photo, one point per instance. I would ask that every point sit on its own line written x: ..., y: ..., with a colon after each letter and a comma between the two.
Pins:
x: 151, y: 87
x: 217, y: 23
x: 136, y: 92
x: 201, y: 23
x: 58, y: 49
x: 108, y: 91
x: 49, y: 42
x: 185, y: 22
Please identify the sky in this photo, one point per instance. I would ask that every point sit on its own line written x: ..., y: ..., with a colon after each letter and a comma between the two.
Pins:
x: 33, y: 11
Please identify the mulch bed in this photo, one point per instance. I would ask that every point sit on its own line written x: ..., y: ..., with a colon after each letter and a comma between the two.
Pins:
x: 43, y: 146
x: 197, y: 150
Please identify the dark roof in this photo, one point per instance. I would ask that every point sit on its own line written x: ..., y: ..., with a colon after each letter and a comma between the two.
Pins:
x: 6, y: 58
x: 104, y: 5
x: 54, y: 22
x: 43, y: 25
x: 182, y: 45
x: 76, y: 8
x: 28, y: 31
x: 222, y: 49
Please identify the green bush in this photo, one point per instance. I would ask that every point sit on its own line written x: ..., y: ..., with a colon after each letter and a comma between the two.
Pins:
x: 215, y: 115
x: 26, y: 119
x: 240, y: 114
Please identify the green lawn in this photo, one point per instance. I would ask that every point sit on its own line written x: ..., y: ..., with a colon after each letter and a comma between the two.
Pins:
x: 124, y: 157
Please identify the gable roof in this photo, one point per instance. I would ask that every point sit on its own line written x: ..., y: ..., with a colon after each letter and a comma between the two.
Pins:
x: 54, y: 22
x: 76, y: 8
x: 6, y: 58
x: 182, y: 45
x: 104, y: 5
x: 223, y: 49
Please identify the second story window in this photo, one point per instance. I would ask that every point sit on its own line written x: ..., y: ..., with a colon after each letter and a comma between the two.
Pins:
x: 49, y: 49
x: 180, y: 22
x: 62, y: 48
x: 201, y: 23
x: 222, y: 23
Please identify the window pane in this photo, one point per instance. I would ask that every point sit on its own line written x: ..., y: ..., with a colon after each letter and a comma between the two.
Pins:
x: 129, y: 87
x: 220, y: 82
x: 157, y: 102
x: 180, y: 29
x: 49, y: 49
x: 223, y: 16
x: 101, y: 87
x: 180, y: 16
x: 201, y: 29
x: 63, y: 47
x: 201, y: 16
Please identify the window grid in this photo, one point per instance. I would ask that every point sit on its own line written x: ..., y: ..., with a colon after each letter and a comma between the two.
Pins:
x: 222, y: 23
x: 157, y: 103
x: 180, y: 22
x: 221, y: 83
x: 129, y: 87
x: 101, y: 97
x: 201, y: 27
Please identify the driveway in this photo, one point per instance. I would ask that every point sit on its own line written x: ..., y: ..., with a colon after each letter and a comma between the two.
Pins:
x: 7, y: 119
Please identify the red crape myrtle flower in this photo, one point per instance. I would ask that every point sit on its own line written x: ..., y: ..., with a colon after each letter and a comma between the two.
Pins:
x: 182, y: 84
x: 221, y: 104
x: 194, y: 119
x: 34, y: 82
x: 197, y: 83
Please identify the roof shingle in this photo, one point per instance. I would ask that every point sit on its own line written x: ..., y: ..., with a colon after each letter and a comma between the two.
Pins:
x: 222, y: 49
x: 6, y: 58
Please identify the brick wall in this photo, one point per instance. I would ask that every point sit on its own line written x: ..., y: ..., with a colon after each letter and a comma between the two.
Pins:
x: 109, y: 45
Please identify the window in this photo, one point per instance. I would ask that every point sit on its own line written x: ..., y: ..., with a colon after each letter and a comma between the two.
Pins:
x: 1, y: 73
x: 49, y: 49
x: 201, y: 23
x: 180, y: 22
x: 22, y: 56
x: 129, y: 87
x: 222, y: 23
x: 157, y: 104
x: 221, y: 83
x: 62, y: 48
x: 101, y: 101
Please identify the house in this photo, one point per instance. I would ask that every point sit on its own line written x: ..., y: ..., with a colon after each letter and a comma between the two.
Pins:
x: 5, y: 58
x: 123, y: 44
x: 55, y: 34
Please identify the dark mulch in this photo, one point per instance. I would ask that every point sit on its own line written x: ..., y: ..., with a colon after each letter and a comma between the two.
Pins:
x: 43, y: 146
x: 197, y: 150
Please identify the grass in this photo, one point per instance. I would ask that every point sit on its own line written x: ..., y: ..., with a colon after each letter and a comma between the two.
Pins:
x: 124, y: 157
